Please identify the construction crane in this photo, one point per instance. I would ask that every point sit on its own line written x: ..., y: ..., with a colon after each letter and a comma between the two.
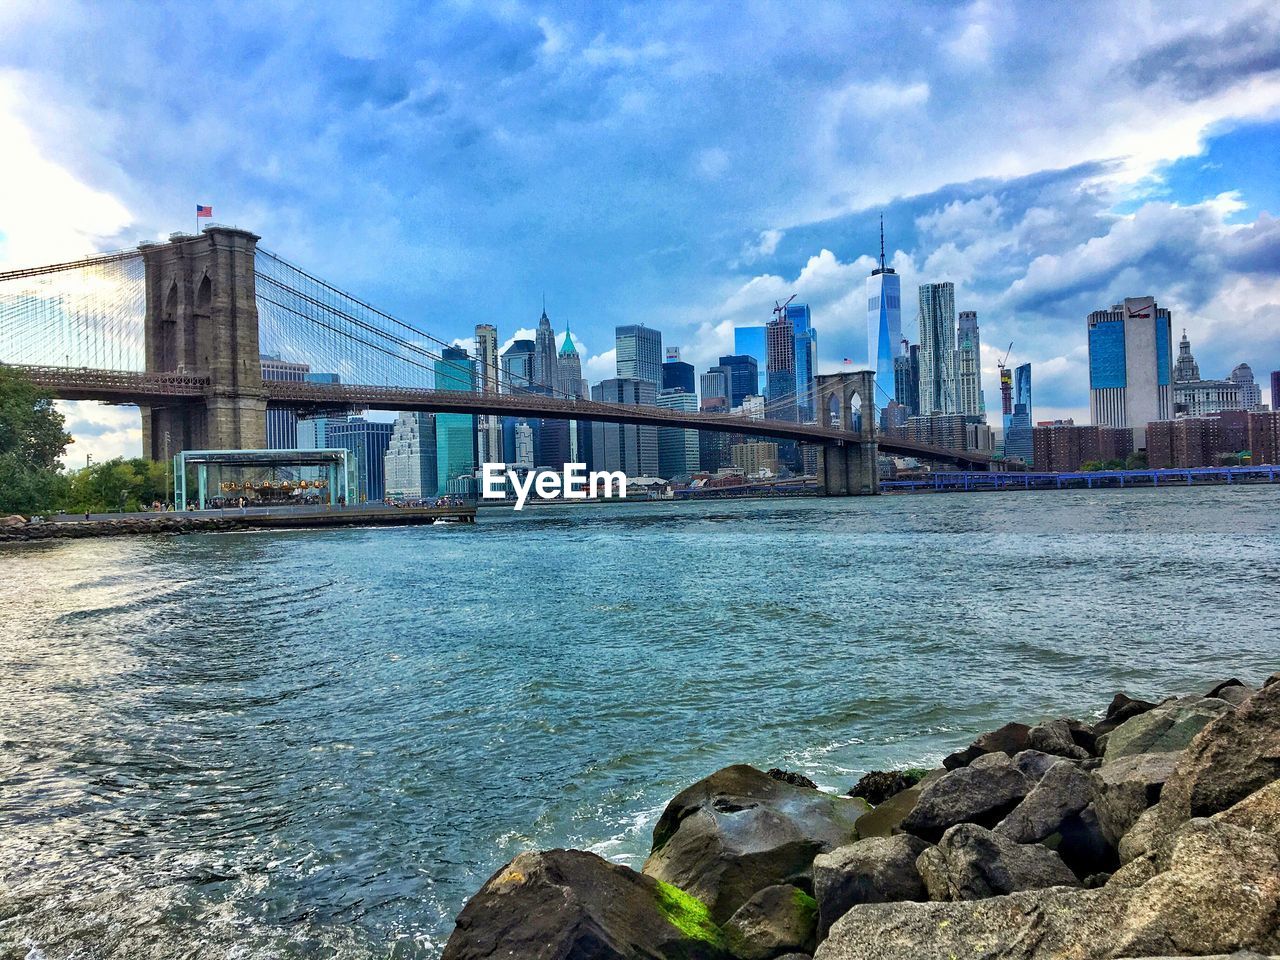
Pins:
x: 1006, y: 383
x: 779, y: 308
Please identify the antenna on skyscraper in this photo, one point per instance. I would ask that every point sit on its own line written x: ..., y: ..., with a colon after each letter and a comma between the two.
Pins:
x: 882, y: 241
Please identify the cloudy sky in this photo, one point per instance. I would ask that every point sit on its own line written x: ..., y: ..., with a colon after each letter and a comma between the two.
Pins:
x: 681, y: 165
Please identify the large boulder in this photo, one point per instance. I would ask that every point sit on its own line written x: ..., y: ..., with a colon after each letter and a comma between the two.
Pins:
x: 563, y: 904
x: 739, y: 830
x: 1231, y: 758
x: 1163, y: 729
x: 982, y: 794
x: 1127, y: 787
x: 1009, y: 739
x: 973, y: 863
x: 886, y: 819
x: 1062, y: 793
x: 1220, y: 894
x: 1121, y: 708
x: 778, y: 920
x: 1234, y: 691
x: 879, y: 785
x: 1055, y: 737
x: 875, y: 870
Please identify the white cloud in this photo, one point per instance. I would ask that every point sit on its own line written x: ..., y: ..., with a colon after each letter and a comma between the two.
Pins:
x: 101, y: 431
x: 712, y: 163
x: 602, y: 366
x: 46, y: 214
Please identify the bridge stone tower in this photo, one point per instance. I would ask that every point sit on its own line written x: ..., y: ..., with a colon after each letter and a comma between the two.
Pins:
x: 847, y: 400
x: 202, y: 319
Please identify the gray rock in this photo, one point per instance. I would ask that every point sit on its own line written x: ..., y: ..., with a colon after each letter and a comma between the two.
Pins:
x: 1009, y: 739
x: 1221, y: 893
x: 734, y: 833
x: 1139, y: 839
x: 973, y: 863
x: 1061, y: 793
x: 1054, y: 736
x: 1127, y: 787
x: 1258, y: 812
x: 1231, y: 758
x: 566, y: 903
x: 1163, y: 729
x: 886, y: 819
x: 983, y: 795
x: 777, y: 920
x: 1033, y: 763
x: 1082, y: 844
x: 1121, y: 708
x: 875, y: 870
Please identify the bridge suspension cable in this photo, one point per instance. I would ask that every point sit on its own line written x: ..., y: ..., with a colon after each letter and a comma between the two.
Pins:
x: 86, y: 313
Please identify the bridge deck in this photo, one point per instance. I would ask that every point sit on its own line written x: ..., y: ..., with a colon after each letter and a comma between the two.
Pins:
x: 119, y: 386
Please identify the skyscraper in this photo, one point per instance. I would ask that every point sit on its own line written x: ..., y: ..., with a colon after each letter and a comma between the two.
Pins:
x: 282, y: 424
x: 884, y: 324
x: 630, y: 448
x: 409, y: 464
x: 1275, y: 389
x: 570, y: 382
x: 639, y: 353
x: 1018, y: 438
x: 715, y: 386
x: 455, y: 432
x: 751, y: 342
x: 906, y: 378
x: 678, y: 375
x: 968, y: 367
x: 742, y: 373
x: 1250, y: 392
x: 487, y: 381
x: 572, y: 385
x: 366, y: 442
x: 517, y: 365
x: 780, y: 348
x: 1186, y: 369
x: 678, y: 450
x: 1131, y: 366
x: 937, y: 348
x: 806, y: 351
x: 545, y: 368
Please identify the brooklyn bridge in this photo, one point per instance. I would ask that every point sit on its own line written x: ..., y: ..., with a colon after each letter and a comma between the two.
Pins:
x: 179, y: 329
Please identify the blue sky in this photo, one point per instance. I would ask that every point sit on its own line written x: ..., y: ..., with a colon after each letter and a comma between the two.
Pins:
x: 681, y: 165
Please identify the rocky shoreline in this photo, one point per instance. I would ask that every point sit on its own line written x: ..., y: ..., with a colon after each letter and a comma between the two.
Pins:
x: 1152, y: 832
x: 17, y: 529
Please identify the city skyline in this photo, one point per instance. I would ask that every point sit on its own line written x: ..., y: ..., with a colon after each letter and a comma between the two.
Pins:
x: 665, y: 211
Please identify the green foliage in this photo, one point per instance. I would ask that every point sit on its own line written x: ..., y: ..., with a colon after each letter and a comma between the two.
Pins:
x: 689, y: 915
x: 117, y: 484
x: 1137, y: 461
x: 31, y: 441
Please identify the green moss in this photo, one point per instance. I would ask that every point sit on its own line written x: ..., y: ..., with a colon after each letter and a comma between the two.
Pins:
x: 807, y: 906
x: 916, y: 774
x: 689, y: 915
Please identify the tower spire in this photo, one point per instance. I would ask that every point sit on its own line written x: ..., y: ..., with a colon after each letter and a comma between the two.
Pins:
x: 882, y: 241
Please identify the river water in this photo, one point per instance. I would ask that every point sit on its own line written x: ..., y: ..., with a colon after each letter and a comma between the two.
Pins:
x: 317, y: 744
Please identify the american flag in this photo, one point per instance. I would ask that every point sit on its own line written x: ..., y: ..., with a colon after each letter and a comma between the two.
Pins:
x: 203, y: 211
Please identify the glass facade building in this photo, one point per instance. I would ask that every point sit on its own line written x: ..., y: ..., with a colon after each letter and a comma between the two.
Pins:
x: 1018, y: 438
x: 455, y: 432
x: 806, y: 351
x: 282, y: 424
x: 678, y: 375
x: 517, y: 365
x: 1131, y: 366
x: 366, y: 442
x: 750, y: 342
x: 678, y: 450
x: 743, y: 375
x: 631, y: 448
x: 639, y: 353
x: 884, y: 328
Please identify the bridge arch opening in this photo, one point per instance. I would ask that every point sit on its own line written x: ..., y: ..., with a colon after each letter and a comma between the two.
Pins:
x: 167, y: 349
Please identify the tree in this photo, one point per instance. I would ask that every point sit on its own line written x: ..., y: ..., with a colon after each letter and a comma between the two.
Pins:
x: 117, y: 484
x: 1137, y: 461
x: 31, y: 441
